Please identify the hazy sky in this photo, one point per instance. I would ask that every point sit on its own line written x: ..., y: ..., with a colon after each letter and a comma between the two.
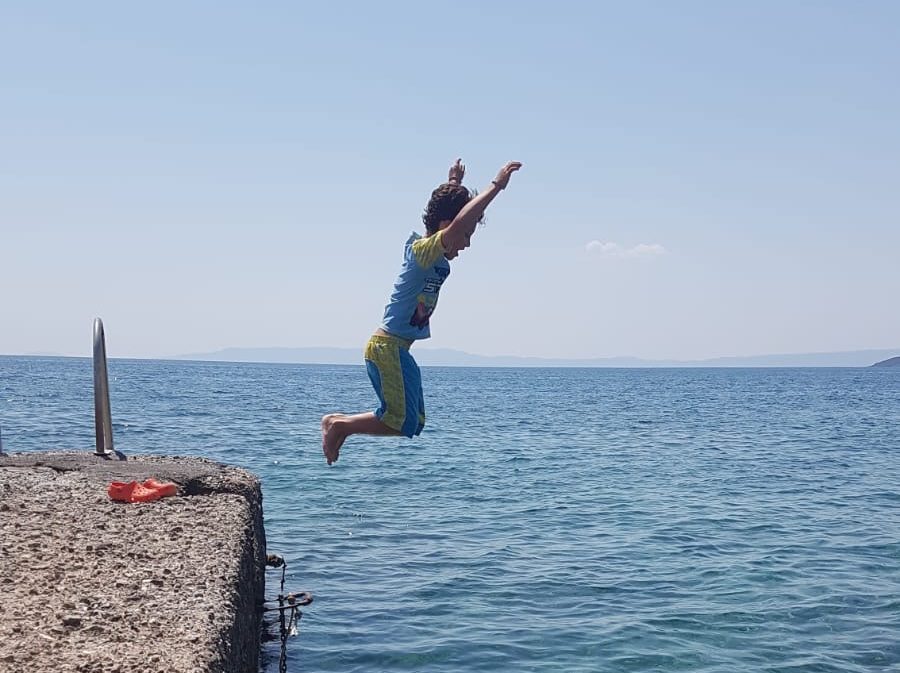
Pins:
x: 701, y: 178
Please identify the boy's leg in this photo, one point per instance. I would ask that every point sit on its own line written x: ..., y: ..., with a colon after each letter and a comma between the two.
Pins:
x: 397, y: 382
x: 337, y: 427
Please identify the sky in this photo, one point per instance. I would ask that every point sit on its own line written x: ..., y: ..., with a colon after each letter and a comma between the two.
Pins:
x: 700, y: 179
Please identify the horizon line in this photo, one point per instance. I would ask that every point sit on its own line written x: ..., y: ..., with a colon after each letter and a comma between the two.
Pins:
x: 258, y: 355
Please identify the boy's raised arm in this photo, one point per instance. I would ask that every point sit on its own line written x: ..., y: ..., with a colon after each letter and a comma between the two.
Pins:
x: 456, y: 173
x: 463, y: 224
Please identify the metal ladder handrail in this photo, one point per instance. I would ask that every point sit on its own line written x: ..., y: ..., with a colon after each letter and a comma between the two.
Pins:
x: 102, y: 414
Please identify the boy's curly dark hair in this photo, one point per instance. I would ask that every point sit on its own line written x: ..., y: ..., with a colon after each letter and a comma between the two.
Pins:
x: 445, y: 203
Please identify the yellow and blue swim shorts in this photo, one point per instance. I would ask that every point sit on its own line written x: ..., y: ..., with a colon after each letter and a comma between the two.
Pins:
x: 398, y: 383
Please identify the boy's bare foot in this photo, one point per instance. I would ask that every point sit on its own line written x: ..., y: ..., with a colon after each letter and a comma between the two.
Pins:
x: 331, y: 438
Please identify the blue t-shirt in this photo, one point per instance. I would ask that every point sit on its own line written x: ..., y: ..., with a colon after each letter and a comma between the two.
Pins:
x: 416, y: 289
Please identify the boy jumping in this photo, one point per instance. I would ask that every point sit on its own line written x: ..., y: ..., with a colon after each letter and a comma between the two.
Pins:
x: 450, y: 219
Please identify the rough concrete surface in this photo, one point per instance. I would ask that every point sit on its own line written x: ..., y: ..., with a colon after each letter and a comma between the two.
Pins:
x: 90, y: 585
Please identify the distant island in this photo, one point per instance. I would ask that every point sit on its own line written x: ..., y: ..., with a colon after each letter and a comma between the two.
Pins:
x: 890, y: 362
x: 446, y: 357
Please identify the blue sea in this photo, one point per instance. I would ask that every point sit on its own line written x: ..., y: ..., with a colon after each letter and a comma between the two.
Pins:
x: 571, y: 520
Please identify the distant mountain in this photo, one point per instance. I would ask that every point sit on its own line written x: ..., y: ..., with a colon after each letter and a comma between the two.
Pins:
x: 890, y: 362
x: 445, y: 357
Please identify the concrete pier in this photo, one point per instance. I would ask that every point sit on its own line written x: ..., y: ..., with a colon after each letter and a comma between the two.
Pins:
x: 89, y: 585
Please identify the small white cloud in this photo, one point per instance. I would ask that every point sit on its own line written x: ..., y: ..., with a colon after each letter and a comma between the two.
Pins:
x: 601, y: 248
x: 609, y: 249
x: 646, y: 249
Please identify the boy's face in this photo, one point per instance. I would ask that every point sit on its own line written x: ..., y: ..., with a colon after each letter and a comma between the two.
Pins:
x: 452, y: 253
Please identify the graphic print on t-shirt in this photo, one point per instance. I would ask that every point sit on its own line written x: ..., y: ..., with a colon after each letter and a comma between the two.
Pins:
x: 427, y: 299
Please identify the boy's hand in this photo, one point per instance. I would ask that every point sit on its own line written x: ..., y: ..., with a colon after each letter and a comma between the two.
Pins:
x: 457, y: 171
x: 503, y: 176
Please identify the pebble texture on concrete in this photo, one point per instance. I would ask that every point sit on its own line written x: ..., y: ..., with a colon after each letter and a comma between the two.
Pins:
x: 89, y: 585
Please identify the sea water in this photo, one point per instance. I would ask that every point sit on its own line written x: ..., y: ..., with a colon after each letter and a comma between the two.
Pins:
x: 727, y: 520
